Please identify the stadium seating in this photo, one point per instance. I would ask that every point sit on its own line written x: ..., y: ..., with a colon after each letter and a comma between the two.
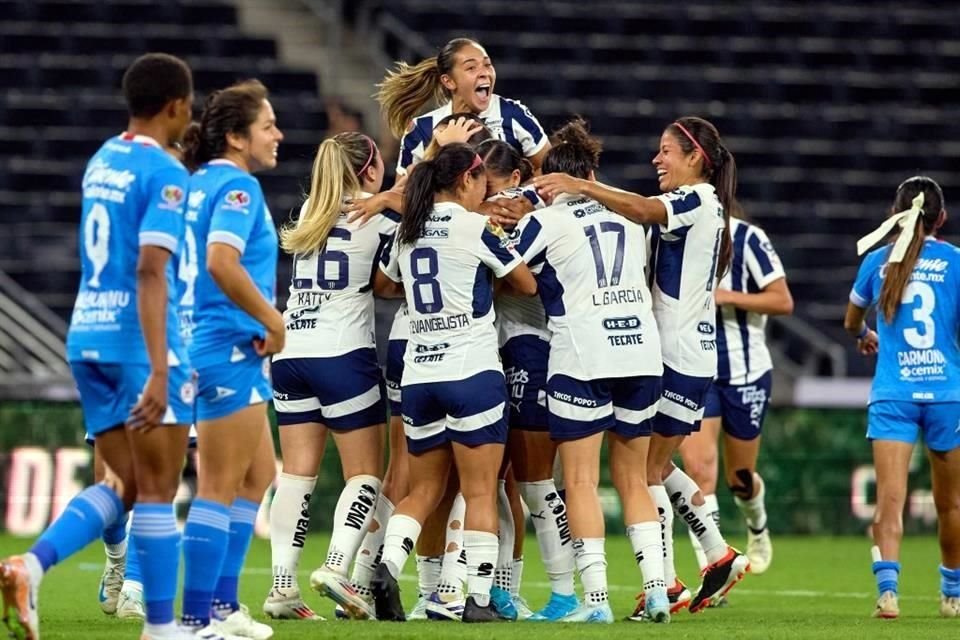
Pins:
x: 61, y: 62
x: 826, y: 105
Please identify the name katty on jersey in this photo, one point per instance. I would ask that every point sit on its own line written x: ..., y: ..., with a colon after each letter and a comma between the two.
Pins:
x: 105, y: 183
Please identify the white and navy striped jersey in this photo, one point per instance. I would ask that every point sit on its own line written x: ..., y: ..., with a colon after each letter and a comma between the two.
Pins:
x: 447, y: 276
x: 685, y: 253
x: 508, y: 120
x: 742, y: 354
x: 330, y: 310
x: 520, y: 315
x: 590, y: 266
x: 400, y: 327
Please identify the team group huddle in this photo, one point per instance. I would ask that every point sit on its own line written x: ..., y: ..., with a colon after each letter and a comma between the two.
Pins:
x: 542, y: 313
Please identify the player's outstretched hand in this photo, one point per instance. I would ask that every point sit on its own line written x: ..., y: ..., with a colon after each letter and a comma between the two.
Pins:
x: 551, y: 185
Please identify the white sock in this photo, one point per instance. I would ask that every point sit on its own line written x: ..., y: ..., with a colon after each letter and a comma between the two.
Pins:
x: 713, y: 508
x: 368, y: 557
x: 502, y: 576
x: 116, y: 552
x: 398, y: 541
x: 289, y: 523
x: 354, y: 512
x: 592, y: 567
x: 428, y: 573
x: 453, y: 572
x: 665, y: 510
x: 753, y: 510
x: 681, y: 489
x: 549, y: 516
x: 34, y: 568
x: 482, y: 549
x: 647, y: 544
x: 516, y: 576
x: 160, y: 630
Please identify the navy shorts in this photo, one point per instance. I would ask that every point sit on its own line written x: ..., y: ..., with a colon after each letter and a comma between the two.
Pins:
x: 394, y: 373
x: 469, y: 412
x: 579, y: 409
x: 109, y: 391
x: 342, y: 392
x: 905, y: 421
x: 525, y: 367
x: 681, y: 404
x: 741, y: 407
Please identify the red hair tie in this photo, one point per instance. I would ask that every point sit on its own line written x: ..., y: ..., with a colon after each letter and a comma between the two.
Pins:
x: 370, y: 158
x: 706, y: 158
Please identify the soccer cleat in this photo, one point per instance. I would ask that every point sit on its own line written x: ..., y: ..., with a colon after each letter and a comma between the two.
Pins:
x: 658, y: 607
x: 185, y: 632
x: 719, y: 578
x: 20, y: 594
x: 439, y: 607
x: 678, y: 596
x: 241, y: 624
x: 597, y: 614
x: 419, y: 611
x: 212, y: 631
x: 130, y: 603
x: 386, y: 595
x: 340, y: 613
x: 759, y: 551
x: 523, y: 609
x: 949, y: 606
x: 111, y: 582
x: 338, y: 588
x: 287, y: 605
x: 888, y: 606
x: 557, y: 608
x: 503, y: 603
x: 473, y: 612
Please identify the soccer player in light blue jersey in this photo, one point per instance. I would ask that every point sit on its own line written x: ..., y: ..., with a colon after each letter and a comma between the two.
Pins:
x: 690, y: 250
x: 915, y: 286
x: 124, y: 348
x: 235, y: 328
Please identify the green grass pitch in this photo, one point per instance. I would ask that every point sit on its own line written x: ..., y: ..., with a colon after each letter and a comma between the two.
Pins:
x: 817, y: 588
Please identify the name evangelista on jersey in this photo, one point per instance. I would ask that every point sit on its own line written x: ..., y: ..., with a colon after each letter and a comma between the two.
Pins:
x: 447, y: 276
x: 508, y: 120
x: 742, y: 354
x: 133, y: 196
x: 685, y: 253
x: 590, y: 266
x: 919, y: 359
x: 330, y: 310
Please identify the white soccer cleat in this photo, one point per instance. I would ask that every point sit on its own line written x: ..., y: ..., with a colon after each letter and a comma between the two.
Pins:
x: 130, y: 603
x: 111, y: 582
x: 445, y: 606
x: 523, y: 609
x: 241, y: 624
x: 419, y: 611
x: 949, y: 606
x: 288, y: 605
x: 20, y: 592
x: 596, y: 614
x: 759, y: 551
x: 184, y: 632
x: 888, y: 606
x: 338, y: 588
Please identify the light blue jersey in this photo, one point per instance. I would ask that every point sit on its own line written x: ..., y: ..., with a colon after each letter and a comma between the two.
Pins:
x: 226, y: 205
x: 919, y: 359
x: 133, y: 196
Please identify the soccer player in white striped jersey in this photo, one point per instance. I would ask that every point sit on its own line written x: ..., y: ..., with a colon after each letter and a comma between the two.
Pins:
x: 454, y: 395
x: 690, y: 248
x: 463, y: 76
x: 327, y: 378
x: 604, y: 368
x: 754, y: 287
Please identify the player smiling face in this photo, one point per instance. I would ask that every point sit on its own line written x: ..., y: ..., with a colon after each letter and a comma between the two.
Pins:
x: 263, y: 139
x: 674, y: 167
x: 471, y: 80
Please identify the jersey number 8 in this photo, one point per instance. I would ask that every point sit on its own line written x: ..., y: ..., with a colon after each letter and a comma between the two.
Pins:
x: 424, y: 266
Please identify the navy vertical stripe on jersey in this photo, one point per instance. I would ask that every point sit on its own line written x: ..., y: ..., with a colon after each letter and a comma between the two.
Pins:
x: 497, y: 246
x: 760, y: 254
x: 530, y: 233
x: 723, y: 359
x: 670, y: 261
x: 551, y: 291
x: 739, y: 239
x: 482, y: 291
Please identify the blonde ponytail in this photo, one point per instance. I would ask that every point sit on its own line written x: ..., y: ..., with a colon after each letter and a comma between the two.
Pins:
x: 405, y: 91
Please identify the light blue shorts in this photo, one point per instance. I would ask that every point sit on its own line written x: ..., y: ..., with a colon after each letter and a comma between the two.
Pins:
x: 904, y: 421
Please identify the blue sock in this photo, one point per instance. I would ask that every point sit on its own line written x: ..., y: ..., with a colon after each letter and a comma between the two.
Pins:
x: 204, y: 547
x: 116, y: 532
x: 888, y: 575
x: 243, y: 517
x: 950, y: 582
x: 133, y: 559
x: 82, y: 522
x: 158, y: 541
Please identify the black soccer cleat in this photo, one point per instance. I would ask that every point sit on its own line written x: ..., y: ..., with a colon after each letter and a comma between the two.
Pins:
x: 719, y: 578
x: 386, y: 596
x: 472, y: 612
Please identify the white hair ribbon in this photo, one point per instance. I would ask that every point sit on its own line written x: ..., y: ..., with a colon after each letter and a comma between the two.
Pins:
x: 908, y: 226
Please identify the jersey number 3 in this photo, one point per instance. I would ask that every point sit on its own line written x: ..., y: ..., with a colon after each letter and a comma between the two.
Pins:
x: 922, y: 314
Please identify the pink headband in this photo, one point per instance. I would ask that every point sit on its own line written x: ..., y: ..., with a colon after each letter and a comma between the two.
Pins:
x: 706, y: 158
x: 370, y: 158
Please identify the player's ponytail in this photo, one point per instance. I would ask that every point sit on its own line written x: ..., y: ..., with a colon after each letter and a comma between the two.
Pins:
x: 429, y: 178
x: 574, y: 151
x: 923, y: 223
x: 231, y: 110
x: 501, y: 160
x: 408, y: 88
x: 718, y: 167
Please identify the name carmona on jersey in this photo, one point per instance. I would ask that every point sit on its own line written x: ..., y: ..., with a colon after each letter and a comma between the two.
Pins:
x: 443, y: 323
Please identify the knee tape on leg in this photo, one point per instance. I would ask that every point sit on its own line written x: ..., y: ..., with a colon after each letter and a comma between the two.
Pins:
x: 744, y: 490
